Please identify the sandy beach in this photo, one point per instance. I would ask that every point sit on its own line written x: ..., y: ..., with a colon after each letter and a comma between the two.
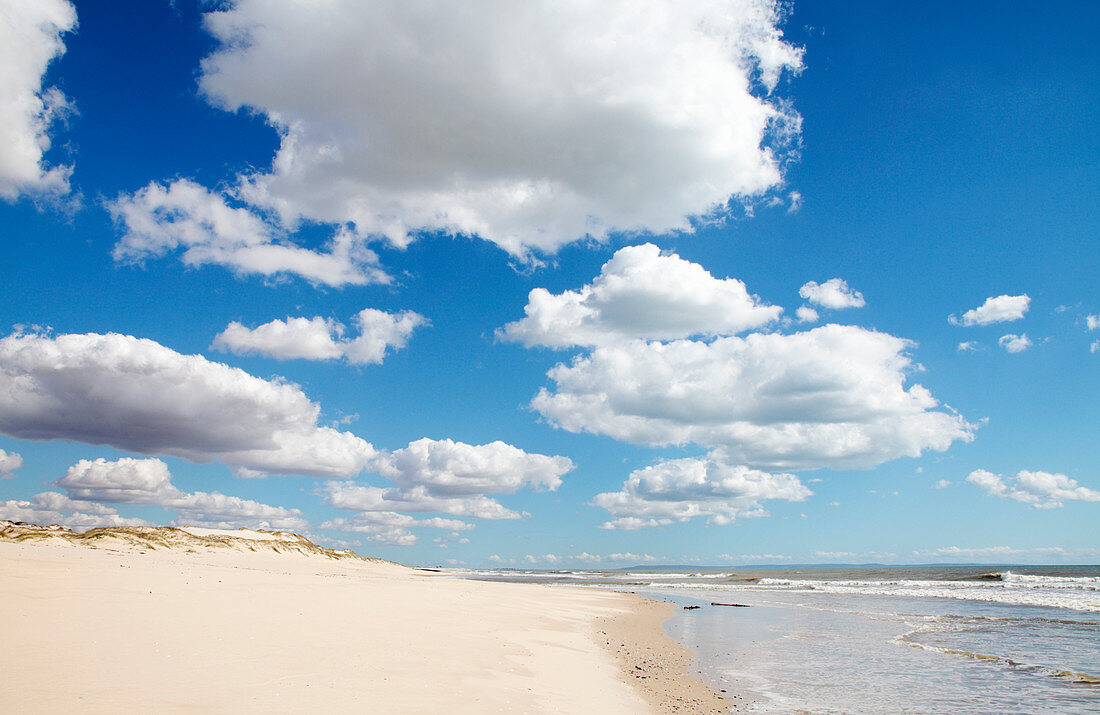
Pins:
x: 166, y: 620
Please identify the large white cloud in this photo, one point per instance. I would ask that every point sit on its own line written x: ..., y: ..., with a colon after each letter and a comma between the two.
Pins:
x: 640, y: 293
x: 448, y: 477
x: 148, y: 481
x: 1001, y: 309
x: 1042, y: 490
x: 321, y: 338
x: 9, y: 462
x: 834, y: 396
x: 158, y: 220
x: 529, y: 124
x: 833, y: 293
x: 682, y: 489
x: 30, y: 38
x: 138, y: 395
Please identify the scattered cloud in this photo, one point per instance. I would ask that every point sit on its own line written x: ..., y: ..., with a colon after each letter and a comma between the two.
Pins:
x: 9, y: 462
x: 55, y: 508
x: 530, y: 127
x: 941, y: 484
x: 988, y: 552
x: 1015, y: 343
x: 1092, y: 322
x: 1042, y: 490
x: 969, y: 347
x: 30, y: 39
x: 448, y: 477
x: 148, y: 481
x: 833, y: 293
x: 640, y: 293
x: 796, y: 202
x: 158, y: 220
x: 322, y: 338
x: 137, y: 395
x: 682, y: 489
x: 452, y: 468
x: 1002, y: 309
x: 1095, y: 347
x: 389, y: 527
x: 806, y: 314
x: 834, y: 396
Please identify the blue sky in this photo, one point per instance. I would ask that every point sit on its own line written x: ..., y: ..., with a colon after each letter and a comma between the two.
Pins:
x: 812, y: 284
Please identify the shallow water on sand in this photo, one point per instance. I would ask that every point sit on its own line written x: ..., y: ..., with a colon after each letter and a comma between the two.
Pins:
x: 904, y: 639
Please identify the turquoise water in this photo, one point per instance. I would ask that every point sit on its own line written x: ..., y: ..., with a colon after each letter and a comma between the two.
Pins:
x: 886, y: 639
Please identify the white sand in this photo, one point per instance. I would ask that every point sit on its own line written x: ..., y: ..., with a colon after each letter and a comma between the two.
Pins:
x: 120, y: 627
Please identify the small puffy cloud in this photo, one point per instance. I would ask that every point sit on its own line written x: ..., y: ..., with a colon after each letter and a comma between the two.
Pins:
x: 634, y: 558
x: 448, y: 477
x: 530, y: 125
x: 1092, y: 322
x: 833, y: 293
x: 1095, y: 347
x: 451, y: 468
x: 31, y: 38
x: 322, y: 338
x: 1002, y: 309
x: 1014, y: 343
x: 834, y: 396
x: 9, y: 462
x: 969, y: 347
x: 806, y: 314
x: 140, y: 396
x: 1043, y: 490
x: 682, y: 489
x: 796, y: 202
x: 941, y: 484
x: 186, y: 217
x: 640, y: 293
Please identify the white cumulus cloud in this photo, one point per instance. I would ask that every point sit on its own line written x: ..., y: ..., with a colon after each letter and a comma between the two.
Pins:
x: 682, y: 489
x: 148, y: 481
x: 834, y: 396
x: 448, y: 477
x: 529, y: 124
x: 138, y: 395
x: 1002, y: 309
x: 186, y: 217
x: 321, y: 338
x: 9, y: 462
x: 1042, y: 490
x: 30, y: 38
x: 833, y: 293
x: 1092, y: 322
x: 640, y: 293
x: 806, y: 314
x: 389, y: 527
x: 1015, y: 343
x: 55, y: 508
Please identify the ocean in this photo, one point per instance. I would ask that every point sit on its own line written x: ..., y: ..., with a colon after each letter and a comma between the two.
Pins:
x: 879, y: 639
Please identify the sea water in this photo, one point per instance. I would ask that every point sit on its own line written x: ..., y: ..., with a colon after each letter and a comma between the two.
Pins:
x: 959, y: 639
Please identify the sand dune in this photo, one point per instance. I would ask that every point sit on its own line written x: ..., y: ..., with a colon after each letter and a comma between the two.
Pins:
x: 164, y: 619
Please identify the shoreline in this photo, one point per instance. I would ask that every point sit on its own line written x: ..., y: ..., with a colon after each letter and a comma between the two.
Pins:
x: 220, y: 624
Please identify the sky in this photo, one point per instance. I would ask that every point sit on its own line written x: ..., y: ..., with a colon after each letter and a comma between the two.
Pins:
x: 557, y: 285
